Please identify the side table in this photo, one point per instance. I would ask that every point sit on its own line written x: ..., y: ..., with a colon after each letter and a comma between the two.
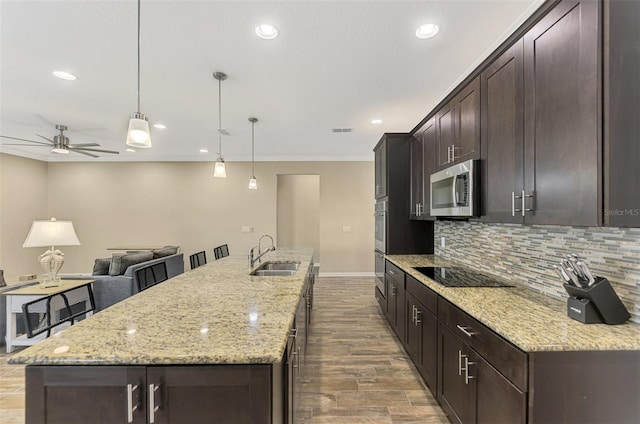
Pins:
x: 18, y: 297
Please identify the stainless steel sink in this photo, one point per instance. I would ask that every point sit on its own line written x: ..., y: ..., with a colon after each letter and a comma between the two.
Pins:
x: 276, y: 269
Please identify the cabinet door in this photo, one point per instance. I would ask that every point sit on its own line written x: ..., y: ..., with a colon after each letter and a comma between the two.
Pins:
x: 414, y: 333
x: 562, y: 119
x: 416, y: 200
x: 446, y: 135
x: 392, y: 296
x: 455, y: 394
x: 291, y: 387
x: 429, y: 161
x: 497, y: 400
x: 467, y: 121
x: 427, y: 360
x: 381, y: 170
x: 85, y: 394
x: 207, y: 394
x: 503, y: 138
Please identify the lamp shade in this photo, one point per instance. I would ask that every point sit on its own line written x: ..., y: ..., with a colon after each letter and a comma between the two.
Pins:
x: 51, y: 233
x: 253, y: 183
x: 219, y: 169
x: 138, y: 134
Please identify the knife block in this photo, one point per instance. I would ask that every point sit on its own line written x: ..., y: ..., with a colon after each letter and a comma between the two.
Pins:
x: 596, y: 304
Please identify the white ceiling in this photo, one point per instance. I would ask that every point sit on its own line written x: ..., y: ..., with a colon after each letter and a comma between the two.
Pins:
x: 336, y: 64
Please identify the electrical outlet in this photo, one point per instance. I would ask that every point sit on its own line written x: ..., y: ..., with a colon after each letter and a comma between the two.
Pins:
x: 442, y: 242
x: 346, y: 229
x: 247, y: 229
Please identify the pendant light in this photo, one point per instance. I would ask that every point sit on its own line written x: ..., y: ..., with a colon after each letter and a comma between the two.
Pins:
x: 138, y: 133
x: 219, y: 170
x: 253, y: 183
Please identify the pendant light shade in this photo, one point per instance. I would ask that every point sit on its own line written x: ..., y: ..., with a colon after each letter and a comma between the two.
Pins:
x: 219, y: 169
x: 253, y: 182
x: 138, y: 134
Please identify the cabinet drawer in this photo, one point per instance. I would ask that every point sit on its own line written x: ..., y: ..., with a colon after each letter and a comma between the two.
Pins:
x: 381, y: 300
x: 505, y: 357
x: 423, y: 294
x: 395, y: 273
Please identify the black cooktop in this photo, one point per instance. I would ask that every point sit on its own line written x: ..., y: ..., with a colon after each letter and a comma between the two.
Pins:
x: 460, y: 277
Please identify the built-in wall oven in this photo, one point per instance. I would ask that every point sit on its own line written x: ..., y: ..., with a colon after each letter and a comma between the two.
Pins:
x: 381, y: 226
x: 380, y: 243
x: 379, y: 268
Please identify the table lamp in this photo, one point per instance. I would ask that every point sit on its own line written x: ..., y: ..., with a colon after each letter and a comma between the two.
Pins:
x: 52, y: 233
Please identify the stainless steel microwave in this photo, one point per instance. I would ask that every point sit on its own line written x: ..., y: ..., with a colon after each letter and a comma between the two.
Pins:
x: 454, y: 191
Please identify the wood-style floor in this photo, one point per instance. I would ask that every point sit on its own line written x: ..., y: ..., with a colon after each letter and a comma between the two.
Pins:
x: 356, y: 370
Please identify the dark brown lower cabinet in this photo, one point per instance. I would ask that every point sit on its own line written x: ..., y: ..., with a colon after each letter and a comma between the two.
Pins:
x: 153, y: 394
x: 471, y: 390
x: 422, y: 338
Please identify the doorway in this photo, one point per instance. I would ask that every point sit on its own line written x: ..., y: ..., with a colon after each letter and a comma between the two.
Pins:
x: 298, y: 212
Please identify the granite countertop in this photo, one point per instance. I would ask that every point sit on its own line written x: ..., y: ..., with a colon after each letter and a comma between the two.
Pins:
x: 530, y: 320
x: 214, y: 314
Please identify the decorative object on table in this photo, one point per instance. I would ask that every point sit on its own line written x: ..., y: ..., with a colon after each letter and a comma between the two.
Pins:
x: 138, y: 134
x: 44, y: 233
x: 253, y: 182
x: 592, y: 300
x: 220, y: 170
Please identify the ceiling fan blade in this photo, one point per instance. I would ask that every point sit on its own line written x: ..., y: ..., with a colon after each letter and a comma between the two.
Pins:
x: 84, y: 153
x: 93, y: 150
x: 75, y: 146
x: 26, y: 145
x: 24, y: 139
x: 49, y: 140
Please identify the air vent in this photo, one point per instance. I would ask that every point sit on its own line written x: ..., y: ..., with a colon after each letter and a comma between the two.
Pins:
x: 342, y: 130
x: 225, y: 131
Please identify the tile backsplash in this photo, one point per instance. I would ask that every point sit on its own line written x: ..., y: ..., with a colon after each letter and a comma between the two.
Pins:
x: 526, y: 254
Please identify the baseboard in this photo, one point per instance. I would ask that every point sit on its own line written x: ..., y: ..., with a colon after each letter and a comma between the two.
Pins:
x: 347, y: 274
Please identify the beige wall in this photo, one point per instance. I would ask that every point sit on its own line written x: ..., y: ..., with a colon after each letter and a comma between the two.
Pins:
x: 115, y: 204
x: 23, y: 198
x: 298, y: 212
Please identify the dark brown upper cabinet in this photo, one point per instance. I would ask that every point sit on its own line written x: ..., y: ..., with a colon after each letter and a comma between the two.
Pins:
x: 562, y: 117
x: 423, y: 164
x: 458, y: 127
x: 381, y: 170
x: 621, y: 113
x: 502, y: 85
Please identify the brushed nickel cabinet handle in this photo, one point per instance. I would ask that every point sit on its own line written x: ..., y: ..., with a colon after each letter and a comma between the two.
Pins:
x: 418, y: 320
x: 152, y: 403
x: 130, y: 407
x: 465, y: 330
x: 467, y: 377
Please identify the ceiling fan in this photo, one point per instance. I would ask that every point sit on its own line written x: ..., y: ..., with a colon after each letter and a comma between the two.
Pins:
x: 60, y: 144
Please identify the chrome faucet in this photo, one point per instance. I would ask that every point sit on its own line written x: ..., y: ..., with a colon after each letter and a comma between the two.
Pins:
x: 252, y: 260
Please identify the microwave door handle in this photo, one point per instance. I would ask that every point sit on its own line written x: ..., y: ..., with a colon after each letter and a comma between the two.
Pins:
x: 454, y: 191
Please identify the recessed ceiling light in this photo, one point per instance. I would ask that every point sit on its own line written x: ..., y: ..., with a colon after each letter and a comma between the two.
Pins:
x: 376, y: 121
x: 160, y: 126
x: 65, y: 75
x: 131, y: 150
x: 427, y: 31
x: 266, y: 32
x: 204, y: 151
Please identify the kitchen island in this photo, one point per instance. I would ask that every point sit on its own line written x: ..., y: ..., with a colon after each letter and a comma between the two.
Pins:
x: 210, y: 345
x: 510, y: 354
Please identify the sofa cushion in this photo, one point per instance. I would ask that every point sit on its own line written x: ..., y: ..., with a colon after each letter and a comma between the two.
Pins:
x: 101, y: 266
x: 164, y: 251
x: 120, y: 262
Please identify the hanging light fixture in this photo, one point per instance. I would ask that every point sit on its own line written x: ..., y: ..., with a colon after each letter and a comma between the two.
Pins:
x: 138, y: 133
x: 219, y: 170
x: 253, y: 183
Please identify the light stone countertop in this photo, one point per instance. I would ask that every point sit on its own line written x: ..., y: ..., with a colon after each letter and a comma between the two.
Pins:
x: 528, y: 319
x: 214, y: 314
